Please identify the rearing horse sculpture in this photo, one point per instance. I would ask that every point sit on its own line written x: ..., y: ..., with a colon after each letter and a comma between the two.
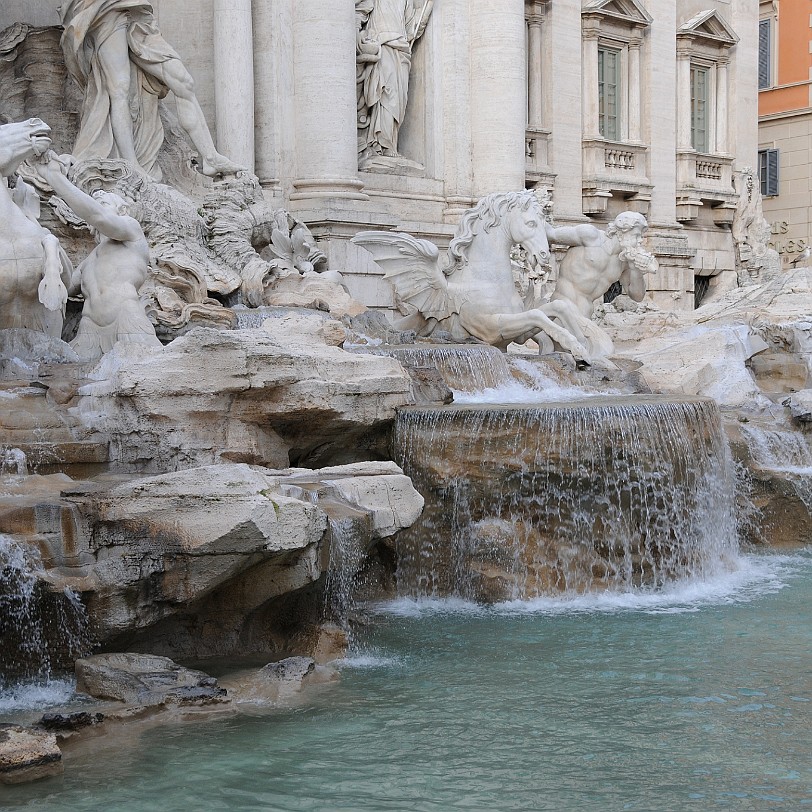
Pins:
x: 474, y: 294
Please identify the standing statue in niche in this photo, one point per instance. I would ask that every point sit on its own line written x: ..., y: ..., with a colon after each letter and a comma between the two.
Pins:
x: 116, y: 53
x: 112, y: 274
x: 387, y: 31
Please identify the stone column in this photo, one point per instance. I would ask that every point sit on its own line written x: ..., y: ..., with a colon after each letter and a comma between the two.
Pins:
x: 325, y: 101
x: 591, y: 100
x: 721, y: 106
x: 234, y: 80
x: 535, y: 77
x: 634, y: 88
x: 498, y: 96
x: 684, y: 94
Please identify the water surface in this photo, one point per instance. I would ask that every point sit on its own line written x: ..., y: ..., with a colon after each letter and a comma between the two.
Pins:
x: 696, y: 699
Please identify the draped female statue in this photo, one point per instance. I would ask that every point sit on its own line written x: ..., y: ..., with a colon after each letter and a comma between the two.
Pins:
x: 388, y: 30
x: 116, y: 53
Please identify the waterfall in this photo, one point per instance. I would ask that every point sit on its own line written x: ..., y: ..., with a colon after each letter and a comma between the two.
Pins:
x: 466, y: 367
x: 349, y: 535
x: 13, y: 461
x: 348, y: 539
x: 554, y: 498
x: 785, y: 452
x: 42, y: 631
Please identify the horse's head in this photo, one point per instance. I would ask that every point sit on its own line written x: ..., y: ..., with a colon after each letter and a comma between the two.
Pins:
x: 518, y: 216
x: 525, y: 223
x: 21, y: 141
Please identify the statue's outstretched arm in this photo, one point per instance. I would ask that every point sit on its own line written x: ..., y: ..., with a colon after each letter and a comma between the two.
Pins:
x: 108, y: 222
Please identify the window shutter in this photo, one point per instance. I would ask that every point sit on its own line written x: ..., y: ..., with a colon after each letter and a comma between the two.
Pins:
x: 772, y: 171
x: 768, y: 171
x: 764, y: 55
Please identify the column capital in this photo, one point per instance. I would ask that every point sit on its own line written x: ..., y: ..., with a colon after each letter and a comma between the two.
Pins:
x: 591, y: 25
x: 685, y: 47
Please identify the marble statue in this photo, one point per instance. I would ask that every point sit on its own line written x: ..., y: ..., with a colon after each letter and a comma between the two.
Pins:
x: 474, y: 294
x: 34, y: 271
x: 756, y: 261
x: 597, y: 259
x: 594, y: 262
x: 387, y: 31
x: 116, y: 53
x: 111, y: 276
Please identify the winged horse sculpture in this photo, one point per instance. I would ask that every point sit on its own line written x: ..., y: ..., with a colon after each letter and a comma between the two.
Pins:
x: 473, y: 293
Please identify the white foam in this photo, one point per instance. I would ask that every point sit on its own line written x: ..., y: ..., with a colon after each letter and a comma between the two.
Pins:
x: 542, y: 388
x: 37, y: 696
x: 367, y: 660
x: 749, y: 578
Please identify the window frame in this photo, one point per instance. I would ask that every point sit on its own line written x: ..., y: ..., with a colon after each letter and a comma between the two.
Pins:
x: 769, y: 159
x: 707, y: 146
x: 611, y: 124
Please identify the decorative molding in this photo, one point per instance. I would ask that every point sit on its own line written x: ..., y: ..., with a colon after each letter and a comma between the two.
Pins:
x: 629, y: 12
x: 708, y: 26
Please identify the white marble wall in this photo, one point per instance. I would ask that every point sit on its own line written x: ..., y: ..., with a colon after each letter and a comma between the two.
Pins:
x: 276, y: 79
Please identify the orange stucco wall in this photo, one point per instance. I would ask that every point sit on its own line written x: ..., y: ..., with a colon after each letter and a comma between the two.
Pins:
x: 794, y: 59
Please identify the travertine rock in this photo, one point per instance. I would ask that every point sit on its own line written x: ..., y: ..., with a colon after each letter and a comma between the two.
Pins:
x: 800, y: 405
x: 188, y: 534
x: 210, y: 561
x: 27, y: 755
x: 287, y: 399
x: 22, y: 352
x: 143, y: 679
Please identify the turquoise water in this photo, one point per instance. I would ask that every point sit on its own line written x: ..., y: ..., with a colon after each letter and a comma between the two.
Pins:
x: 698, y: 699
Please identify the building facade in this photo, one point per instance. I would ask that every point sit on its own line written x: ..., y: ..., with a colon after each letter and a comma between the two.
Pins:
x: 785, y: 122
x: 644, y: 105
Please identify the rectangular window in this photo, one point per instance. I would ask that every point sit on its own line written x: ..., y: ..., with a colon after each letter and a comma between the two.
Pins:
x: 765, y: 55
x: 768, y: 171
x: 609, y: 93
x: 700, y: 125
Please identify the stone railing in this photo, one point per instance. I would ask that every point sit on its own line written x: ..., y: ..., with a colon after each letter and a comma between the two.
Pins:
x: 704, y: 181
x: 619, y: 159
x: 614, y: 169
x: 537, y: 156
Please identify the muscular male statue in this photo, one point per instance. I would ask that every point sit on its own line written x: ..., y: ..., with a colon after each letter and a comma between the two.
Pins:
x: 113, y: 272
x: 116, y: 53
x: 598, y: 259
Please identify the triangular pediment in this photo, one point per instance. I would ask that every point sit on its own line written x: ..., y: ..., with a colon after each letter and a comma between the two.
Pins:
x: 631, y: 12
x: 709, y: 25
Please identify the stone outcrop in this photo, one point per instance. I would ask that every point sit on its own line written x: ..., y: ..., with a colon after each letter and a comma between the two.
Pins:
x: 221, y: 560
x: 291, y: 396
x: 748, y: 349
x: 281, y: 681
x: 142, y: 679
x: 27, y: 755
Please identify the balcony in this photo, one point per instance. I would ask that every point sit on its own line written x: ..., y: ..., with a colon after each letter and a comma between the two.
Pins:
x: 705, y: 180
x: 615, y: 169
x: 537, y: 153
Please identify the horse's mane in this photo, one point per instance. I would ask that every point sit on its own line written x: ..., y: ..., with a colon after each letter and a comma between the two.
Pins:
x: 489, y: 211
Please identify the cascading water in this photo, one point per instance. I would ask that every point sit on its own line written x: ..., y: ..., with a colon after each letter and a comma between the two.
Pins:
x: 42, y: 631
x: 468, y: 367
x: 347, y: 556
x: 787, y: 453
x: 348, y: 533
x: 523, y: 501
